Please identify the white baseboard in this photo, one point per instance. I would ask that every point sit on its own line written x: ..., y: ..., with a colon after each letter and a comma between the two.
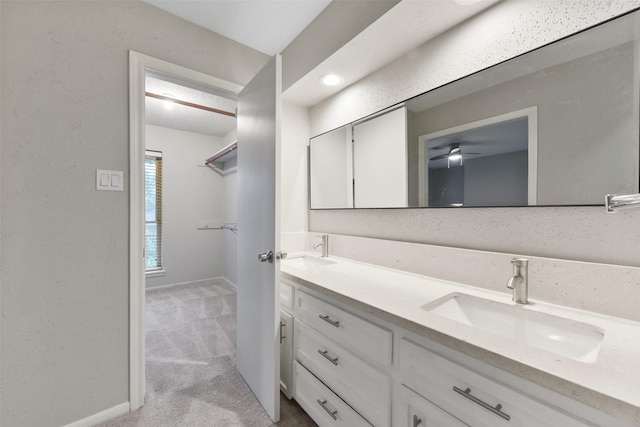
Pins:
x: 101, y: 417
x: 230, y: 283
x: 173, y: 285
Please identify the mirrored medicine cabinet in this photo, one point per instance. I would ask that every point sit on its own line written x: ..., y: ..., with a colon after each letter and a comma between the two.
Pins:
x: 557, y: 126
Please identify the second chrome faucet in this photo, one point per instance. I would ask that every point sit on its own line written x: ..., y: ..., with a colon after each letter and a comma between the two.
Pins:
x: 324, y: 244
x: 519, y: 281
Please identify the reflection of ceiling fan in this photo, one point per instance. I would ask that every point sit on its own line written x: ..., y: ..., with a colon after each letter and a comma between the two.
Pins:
x: 454, y: 155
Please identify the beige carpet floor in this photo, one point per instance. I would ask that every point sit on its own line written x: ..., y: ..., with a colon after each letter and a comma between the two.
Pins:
x: 190, y: 364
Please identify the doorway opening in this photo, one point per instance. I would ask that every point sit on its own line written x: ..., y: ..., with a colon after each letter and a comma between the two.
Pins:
x: 143, y: 68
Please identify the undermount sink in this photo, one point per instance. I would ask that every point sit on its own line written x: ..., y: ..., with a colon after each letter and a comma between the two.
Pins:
x: 306, y: 262
x: 572, y: 339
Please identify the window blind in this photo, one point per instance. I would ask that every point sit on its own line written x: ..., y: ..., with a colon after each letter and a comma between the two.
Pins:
x: 153, y: 210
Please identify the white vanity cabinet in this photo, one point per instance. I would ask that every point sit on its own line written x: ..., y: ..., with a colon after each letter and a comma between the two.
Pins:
x: 341, y: 350
x: 472, y: 397
x: 286, y: 353
x: 322, y: 404
x: 354, y: 368
x: 286, y: 339
x: 412, y: 410
x: 370, y: 341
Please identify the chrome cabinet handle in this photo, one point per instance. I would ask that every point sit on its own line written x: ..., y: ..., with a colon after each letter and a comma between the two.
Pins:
x: 335, y: 323
x: 282, y: 337
x: 497, y: 410
x: 416, y: 421
x: 329, y: 358
x: 323, y: 403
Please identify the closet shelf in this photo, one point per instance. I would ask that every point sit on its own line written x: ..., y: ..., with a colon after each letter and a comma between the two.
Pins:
x: 221, y: 156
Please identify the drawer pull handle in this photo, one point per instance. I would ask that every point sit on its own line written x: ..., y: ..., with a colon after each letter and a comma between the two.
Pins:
x: 335, y: 323
x: 282, y: 336
x: 416, y: 421
x: 329, y: 358
x: 497, y: 410
x: 323, y: 403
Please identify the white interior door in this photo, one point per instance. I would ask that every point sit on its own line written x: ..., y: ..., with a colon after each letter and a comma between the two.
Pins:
x: 258, y: 332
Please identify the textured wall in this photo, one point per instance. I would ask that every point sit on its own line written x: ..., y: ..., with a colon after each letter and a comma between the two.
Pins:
x: 65, y: 261
x: 192, y: 197
x: 501, y: 32
x: 505, y: 30
x: 293, y: 168
x: 336, y: 25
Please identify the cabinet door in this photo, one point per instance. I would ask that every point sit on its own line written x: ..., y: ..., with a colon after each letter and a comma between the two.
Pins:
x: 412, y: 410
x: 286, y: 353
x: 380, y: 161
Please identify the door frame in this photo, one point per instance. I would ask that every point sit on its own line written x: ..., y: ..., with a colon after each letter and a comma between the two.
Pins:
x: 531, y: 113
x: 139, y: 64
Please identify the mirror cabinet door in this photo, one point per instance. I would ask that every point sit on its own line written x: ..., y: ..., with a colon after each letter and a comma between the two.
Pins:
x: 380, y: 161
x: 331, y: 170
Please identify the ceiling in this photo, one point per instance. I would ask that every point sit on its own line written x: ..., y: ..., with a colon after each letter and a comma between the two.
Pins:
x: 176, y: 116
x: 410, y: 24
x: 265, y: 25
x: 270, y: 25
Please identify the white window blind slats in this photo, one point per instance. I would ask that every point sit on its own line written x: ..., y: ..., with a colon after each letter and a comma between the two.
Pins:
x: 153, y: 211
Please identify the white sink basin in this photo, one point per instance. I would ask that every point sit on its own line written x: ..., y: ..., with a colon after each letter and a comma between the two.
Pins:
x: 575, y: 340
x: 306, y: 262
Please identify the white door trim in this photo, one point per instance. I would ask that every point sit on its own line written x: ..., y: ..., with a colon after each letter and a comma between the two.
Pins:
x: 138, y: 65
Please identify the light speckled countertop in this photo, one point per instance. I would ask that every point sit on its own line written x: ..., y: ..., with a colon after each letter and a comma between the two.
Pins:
x: 610, y: 384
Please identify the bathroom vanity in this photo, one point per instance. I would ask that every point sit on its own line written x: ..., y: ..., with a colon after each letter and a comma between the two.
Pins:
x: 382, y: 347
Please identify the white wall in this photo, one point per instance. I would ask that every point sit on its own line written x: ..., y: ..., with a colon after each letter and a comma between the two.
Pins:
x: 507, y: 29
x: 336, y: 25
x: 64, y: 254
x: 231, y: 216
x: 230, y: 255
x: 294, y: 170
x: 193, y: 196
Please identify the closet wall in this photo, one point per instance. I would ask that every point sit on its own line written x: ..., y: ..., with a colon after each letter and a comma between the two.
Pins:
x: 193, y: 196
x: 230, y: 240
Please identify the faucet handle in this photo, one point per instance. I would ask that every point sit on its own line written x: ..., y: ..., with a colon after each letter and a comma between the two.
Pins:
x: 518, y: 263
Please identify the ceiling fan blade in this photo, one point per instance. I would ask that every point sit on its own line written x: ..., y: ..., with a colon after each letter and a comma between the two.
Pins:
x: 441, y: 156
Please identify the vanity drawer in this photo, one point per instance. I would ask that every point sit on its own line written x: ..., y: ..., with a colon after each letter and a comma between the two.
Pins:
x: 370, y: 341
x: 363, y: 387
x: 322, y: 404
x: 286, y: 297
x: 412, y: 410
x: 471, y: 397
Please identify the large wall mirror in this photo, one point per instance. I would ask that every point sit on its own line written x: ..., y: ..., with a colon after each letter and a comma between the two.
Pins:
x: 557, y: 126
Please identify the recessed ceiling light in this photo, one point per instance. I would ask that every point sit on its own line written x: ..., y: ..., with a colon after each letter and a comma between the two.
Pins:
x: 168, y: 104
x: 331, y: 79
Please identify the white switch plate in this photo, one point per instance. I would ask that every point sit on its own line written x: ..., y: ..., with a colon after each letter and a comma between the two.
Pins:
x: 109, y: 180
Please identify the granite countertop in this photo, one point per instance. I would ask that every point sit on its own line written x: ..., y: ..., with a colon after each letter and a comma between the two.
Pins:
x: 610, y: 384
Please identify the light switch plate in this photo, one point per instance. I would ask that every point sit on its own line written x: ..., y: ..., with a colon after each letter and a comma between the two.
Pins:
x: 109, y: 180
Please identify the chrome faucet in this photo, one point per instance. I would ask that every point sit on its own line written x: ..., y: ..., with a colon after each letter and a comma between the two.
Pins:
x: 324, y: 244
x: 519, y: 282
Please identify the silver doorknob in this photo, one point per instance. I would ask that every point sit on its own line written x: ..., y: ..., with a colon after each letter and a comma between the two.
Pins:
x: 281, y: 254
x: 265, y: 256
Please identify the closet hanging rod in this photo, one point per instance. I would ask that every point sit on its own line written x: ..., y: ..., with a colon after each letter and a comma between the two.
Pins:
x: 220, y: 154
x: 189, y: 104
